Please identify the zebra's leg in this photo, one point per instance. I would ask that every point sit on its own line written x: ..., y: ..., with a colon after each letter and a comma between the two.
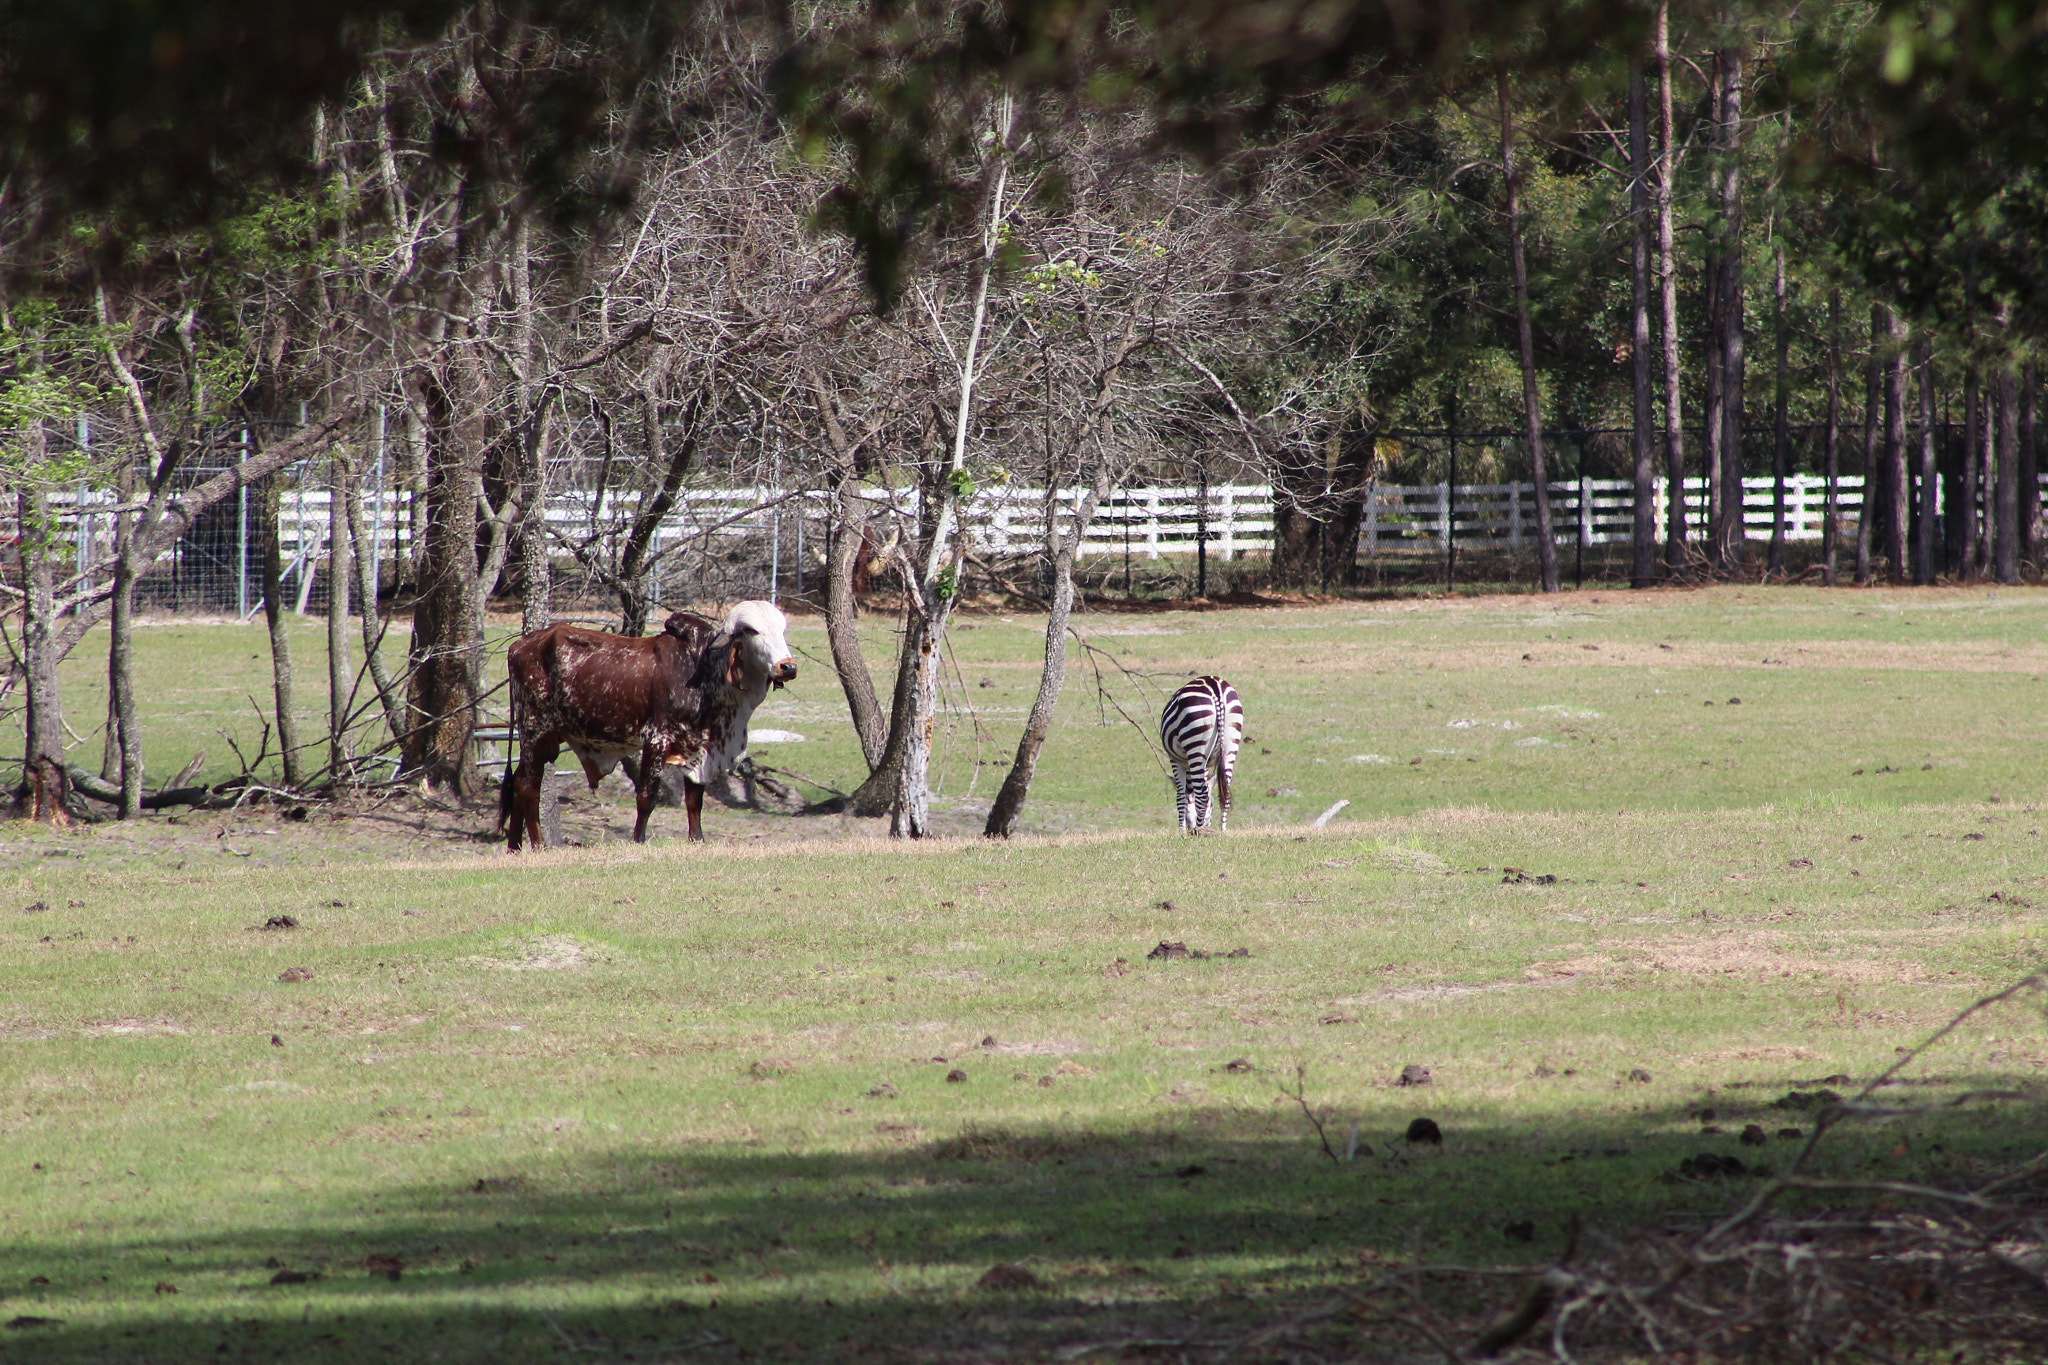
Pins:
x: 1180, y: 794
x: 1198, y: 796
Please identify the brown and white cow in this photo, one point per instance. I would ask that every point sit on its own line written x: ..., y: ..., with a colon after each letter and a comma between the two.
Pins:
x: 682, y: 697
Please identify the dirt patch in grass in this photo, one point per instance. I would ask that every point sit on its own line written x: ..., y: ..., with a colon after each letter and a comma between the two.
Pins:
x: 1749, y: 961
x: 1449, y: 991
x: 1758, y: 957
x: 545, y: 955
x: 1752, y: 1054
x: 132, y: 1028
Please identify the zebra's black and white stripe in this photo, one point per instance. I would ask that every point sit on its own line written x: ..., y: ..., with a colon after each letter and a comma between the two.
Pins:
x: 1201, y: 728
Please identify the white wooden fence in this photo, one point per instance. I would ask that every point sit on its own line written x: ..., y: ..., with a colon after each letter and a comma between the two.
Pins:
x: 1143, y: 522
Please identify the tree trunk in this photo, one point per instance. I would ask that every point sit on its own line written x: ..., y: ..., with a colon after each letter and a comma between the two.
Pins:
x: 121, y: 664
x: 1546, y: 545
x: 631, y: 586
x: 1898, y: 494
x: 1984, y: 472
x: 2006, y: 554
x: 374, y: 621
x: 536, y: 569
x: 1831, y: 445
x: 1643, y: 565
x: 1781, y: 396
x: 1732, y: 533
x: 447, y: 637
x: 2030, y: 469
x: 874, y: 796
x: 340, y: 571
x: 274, y: 618
x: 44, y: 793
x: 1927, y: 528
x: 1953, y: 525
x: 910, y: 806
x: 842, y: 619
x: 1867, y: 517
x: 1675, y: 534
x: 1714, y: 297
x: 1009, y: 802
x: 932, y: 593
x: 1301, y: 506
x: 1965, y: 511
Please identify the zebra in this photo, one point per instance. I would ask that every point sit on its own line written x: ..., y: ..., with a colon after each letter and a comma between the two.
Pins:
x: 1201, y: 728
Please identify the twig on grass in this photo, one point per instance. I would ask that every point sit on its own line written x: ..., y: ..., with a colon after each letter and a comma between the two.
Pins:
x: 567, y: 1340
x: 1298, y: 1095
x: 1826, y: 1117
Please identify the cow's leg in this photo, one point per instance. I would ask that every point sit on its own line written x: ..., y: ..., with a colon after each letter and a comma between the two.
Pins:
x: 643, y: 791
x: 527, y: 780
x: 693, y: 801
x: 512, y: 807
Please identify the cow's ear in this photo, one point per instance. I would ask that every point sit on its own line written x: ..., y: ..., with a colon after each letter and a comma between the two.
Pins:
x: 735, y: 669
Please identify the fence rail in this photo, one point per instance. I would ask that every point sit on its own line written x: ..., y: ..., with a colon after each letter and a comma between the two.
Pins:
x: 752, y: 535
x: 1230, y: 520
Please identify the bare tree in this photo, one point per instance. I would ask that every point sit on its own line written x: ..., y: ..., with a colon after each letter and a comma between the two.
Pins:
x: 1729, y: 530
x: 274, y: 619
x: 1532, y: 413
x: 1667, y: 301
x: 2006, y: 499
x: 1643, y: 563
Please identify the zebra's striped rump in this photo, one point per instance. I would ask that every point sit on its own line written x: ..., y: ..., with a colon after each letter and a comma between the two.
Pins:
x: 1201, y: 729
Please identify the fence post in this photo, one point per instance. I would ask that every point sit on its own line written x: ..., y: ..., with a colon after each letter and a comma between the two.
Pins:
x: 1152, y: 523
x: 377, y: 518
x: 1229, y: 522
x: 1443, y: 515
x: 1514, y: 515
x: 84, y: 531
x: 242, y: 539
x: 1585, y: 511
x: 1372, y: 518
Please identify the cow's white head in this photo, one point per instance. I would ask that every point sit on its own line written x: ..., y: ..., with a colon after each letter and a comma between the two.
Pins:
x: 757, y: 632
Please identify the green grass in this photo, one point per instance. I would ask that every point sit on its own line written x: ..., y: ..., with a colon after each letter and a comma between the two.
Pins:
x: 1914, y: 689
x: 684, y: 1103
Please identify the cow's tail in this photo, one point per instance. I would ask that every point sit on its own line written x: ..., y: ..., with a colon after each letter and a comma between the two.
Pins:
x: 506, y: 796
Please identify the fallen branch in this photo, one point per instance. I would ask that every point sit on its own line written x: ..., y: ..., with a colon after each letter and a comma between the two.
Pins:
x: 199, y: 798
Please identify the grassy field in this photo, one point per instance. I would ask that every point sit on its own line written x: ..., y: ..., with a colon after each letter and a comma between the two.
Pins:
x: 1599, y: 701
x: 674, y: 1103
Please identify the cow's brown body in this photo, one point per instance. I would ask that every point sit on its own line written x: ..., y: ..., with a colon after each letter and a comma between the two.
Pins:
x: 682, y: 697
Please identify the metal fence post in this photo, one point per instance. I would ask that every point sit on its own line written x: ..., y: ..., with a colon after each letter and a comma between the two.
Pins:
x: 242, y: 539
x: 377, y: 517
x: 302, y: 558
x: 83, y: 534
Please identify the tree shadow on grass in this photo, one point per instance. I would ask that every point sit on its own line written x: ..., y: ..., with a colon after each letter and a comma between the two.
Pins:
x: 1202, y: 1229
